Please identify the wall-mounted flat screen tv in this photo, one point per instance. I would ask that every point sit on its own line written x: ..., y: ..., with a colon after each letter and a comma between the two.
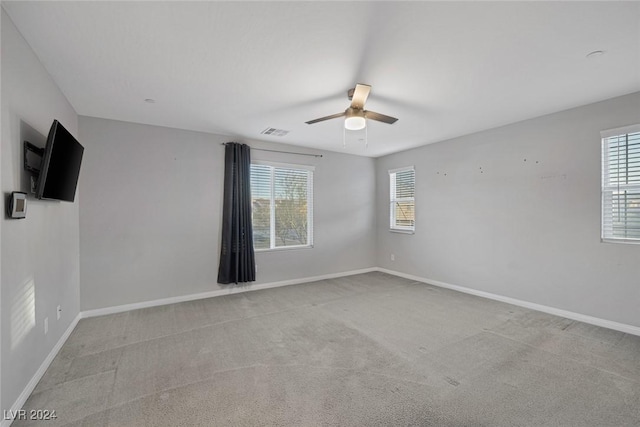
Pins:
x: 60, y: 166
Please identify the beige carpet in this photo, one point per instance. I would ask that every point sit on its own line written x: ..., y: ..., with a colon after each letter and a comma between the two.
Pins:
x: 363, y: 350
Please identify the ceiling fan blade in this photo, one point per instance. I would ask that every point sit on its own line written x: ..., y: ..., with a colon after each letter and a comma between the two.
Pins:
x: 360, y: 95
x: 322, y: 119
x: 380, y: 117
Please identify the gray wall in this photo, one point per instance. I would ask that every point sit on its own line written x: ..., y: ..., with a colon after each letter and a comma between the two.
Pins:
x: 40, y: 254
x: 515, y: 211
x: 150, y: 213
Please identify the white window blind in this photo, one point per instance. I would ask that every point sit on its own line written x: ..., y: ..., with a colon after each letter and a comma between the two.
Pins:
x: 402, y: 183
x: 282, y: 206
x: 621, y: 185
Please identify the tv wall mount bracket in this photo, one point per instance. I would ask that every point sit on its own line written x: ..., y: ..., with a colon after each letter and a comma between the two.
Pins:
x: 32, y: 159
x: 29, y: 150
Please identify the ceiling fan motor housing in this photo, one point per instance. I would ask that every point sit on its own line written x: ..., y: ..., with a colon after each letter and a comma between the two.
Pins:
x: 354, y: 119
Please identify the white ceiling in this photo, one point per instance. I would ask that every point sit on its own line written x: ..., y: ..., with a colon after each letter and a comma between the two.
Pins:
x: 445, y: 69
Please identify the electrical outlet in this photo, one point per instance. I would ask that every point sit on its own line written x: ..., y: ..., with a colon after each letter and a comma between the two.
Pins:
x: 59, y: 312
x: 393, y: 257
x: 46, y: 325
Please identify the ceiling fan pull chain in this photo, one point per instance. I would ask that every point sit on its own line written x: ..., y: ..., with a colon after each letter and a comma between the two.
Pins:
x: 366, y: 134
x: 344, y: 137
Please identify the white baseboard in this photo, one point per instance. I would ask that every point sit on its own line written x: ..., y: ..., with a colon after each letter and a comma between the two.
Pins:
x: 622, y: 327
x: 22, y: 399
x: 218, y: 292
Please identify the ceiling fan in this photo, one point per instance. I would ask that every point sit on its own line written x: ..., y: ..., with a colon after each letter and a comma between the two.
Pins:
x: 356, y: 114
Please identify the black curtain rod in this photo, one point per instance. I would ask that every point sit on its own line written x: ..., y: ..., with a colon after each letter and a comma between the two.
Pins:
x: 278, y: 151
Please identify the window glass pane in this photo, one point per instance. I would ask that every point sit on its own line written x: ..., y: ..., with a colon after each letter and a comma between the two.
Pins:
x: 405, y: 184
x: 623, y: 159
x: 405, y: 214
x: 290, y: 207
x: 625, y: 214
x: 261, y: 206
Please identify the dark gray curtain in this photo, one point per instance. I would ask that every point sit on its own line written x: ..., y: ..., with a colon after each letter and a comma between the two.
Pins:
x: 237, y: 260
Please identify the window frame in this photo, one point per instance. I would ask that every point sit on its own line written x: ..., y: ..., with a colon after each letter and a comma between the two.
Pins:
x: 393, y: 227
x: 606, y: 187
x: 272, y: 218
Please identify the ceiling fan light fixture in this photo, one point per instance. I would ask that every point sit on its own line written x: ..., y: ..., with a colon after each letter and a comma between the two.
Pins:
x: 354, y: 123
x: 355, y: 120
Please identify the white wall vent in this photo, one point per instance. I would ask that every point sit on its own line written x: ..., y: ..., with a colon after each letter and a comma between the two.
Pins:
x: 274, y: 132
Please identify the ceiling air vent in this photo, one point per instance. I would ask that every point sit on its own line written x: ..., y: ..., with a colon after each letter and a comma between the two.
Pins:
x: 274, y: 132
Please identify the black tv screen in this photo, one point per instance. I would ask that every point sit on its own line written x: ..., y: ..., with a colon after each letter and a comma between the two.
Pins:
x: 60, y: 166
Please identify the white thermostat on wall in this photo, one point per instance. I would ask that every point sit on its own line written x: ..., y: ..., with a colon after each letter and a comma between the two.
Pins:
x: 17, y: 207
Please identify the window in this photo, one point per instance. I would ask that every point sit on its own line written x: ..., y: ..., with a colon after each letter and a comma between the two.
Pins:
x: 282, y: 205
x: 621, y: 185
x: 402, y: 183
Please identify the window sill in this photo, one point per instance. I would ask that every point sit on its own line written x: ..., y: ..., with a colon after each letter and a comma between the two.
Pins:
x: 623, y: 241
x: 283, y: 248
x: 395, y: 230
